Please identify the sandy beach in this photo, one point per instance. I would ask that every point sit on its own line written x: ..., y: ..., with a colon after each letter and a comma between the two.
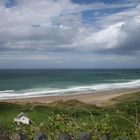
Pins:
x: 97, y: 98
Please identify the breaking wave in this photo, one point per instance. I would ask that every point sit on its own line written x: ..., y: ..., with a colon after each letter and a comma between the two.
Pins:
x: 37, y: 92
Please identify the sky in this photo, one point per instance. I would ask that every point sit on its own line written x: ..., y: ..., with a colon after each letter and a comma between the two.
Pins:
x: 69, y: 34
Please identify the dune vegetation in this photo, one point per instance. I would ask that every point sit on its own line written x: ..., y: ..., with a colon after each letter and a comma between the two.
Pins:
x: 120, y: 117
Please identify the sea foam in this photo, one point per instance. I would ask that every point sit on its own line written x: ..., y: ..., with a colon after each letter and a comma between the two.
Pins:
x: 37, y: 92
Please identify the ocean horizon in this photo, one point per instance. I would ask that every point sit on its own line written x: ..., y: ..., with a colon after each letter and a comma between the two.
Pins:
x: 22, y: 83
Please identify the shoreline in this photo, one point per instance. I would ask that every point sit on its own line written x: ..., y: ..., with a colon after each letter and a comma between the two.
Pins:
x: 97, y: 98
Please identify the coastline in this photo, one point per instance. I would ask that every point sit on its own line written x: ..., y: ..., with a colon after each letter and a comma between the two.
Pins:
x: 98, y: 98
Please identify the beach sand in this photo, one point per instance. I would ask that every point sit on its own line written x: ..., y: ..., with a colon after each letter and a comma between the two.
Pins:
x: 97, y: 98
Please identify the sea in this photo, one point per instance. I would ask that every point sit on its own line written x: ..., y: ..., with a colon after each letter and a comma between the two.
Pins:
x: 23, y: 83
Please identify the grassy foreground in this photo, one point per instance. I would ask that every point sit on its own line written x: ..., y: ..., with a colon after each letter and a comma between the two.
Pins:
x: 120, y: 119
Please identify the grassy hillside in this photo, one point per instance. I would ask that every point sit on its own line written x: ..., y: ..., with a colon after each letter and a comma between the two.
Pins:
x: 121, y: 118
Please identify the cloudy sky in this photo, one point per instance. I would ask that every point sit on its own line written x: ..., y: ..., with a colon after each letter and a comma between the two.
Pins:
x: 69, y: 33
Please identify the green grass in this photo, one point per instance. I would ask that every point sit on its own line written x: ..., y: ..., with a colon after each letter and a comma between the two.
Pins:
x: 120, y: 118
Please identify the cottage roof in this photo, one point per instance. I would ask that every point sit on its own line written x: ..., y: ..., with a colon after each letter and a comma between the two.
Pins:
x: 20, y: 115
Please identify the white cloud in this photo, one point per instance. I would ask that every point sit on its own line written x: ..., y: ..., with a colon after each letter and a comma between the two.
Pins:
x: 57, y: 26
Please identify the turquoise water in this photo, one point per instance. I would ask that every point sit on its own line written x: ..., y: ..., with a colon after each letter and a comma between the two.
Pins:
x: 40, y: 82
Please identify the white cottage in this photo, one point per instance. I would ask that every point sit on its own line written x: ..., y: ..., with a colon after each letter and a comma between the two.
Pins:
x: 22, y: 118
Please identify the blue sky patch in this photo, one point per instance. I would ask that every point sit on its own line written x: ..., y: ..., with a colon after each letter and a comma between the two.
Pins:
x: 91, y: 16
x: 93, y: 1
x: 10, y: 3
